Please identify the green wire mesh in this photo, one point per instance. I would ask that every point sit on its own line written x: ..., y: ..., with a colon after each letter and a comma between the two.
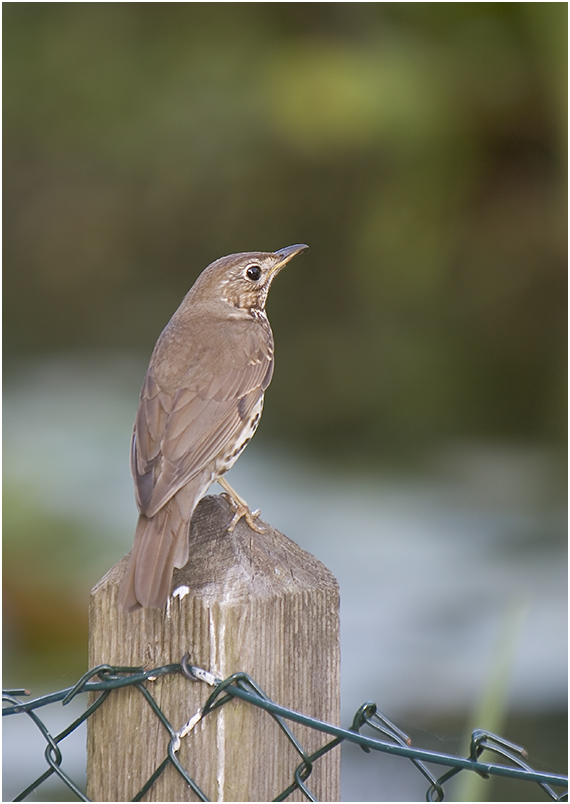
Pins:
x: 381, y: 735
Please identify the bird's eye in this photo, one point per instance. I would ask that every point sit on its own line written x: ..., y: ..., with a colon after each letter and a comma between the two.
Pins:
x: 253, y: 272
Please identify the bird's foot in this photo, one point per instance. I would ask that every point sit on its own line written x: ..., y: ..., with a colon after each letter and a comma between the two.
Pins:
x: 241, y: 509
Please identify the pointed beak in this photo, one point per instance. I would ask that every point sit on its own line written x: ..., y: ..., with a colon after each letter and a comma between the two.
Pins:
x: 286, y: 254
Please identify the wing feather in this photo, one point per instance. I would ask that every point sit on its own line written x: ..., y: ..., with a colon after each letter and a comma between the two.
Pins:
x: 177, y: 435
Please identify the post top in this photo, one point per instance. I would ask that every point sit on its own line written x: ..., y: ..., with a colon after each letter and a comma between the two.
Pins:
x: 237, y: 566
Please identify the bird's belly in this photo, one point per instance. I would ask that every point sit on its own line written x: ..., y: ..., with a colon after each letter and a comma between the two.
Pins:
x: 234, y: 449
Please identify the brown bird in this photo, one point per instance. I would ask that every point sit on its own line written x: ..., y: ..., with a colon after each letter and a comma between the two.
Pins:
x: 199, y: 407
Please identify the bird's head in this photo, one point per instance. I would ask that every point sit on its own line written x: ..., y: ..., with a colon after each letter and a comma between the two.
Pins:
x: 243, y: 280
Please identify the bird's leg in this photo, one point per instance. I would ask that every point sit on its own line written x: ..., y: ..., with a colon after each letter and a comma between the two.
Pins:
x: 241, y: 508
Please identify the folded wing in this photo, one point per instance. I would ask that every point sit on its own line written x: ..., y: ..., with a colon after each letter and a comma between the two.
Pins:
x: 177, y: 435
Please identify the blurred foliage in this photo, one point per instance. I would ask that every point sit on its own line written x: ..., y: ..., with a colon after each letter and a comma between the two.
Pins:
x: 420, y: 150
x: 48, y: 562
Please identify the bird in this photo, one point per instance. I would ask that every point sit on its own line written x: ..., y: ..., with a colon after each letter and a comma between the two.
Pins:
x: 200, y: 404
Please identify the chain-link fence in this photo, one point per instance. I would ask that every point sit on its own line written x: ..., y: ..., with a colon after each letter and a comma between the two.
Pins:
x: 369, y: 729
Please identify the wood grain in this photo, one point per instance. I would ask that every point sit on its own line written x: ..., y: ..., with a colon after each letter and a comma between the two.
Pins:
x: 256, y: 603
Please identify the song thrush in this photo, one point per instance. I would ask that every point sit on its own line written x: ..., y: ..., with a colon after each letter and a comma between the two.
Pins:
x: 200, y: 405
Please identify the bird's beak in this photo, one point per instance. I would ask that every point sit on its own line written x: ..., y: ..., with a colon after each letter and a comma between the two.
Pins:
x: 286, y: 254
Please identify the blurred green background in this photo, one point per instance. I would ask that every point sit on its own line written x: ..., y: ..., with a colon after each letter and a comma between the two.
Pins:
x: 419, y: 149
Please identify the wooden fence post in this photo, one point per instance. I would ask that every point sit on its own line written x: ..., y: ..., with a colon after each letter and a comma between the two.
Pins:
x: 256, y: 603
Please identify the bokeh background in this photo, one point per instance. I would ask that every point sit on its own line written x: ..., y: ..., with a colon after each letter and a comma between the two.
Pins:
x: 414, y: 434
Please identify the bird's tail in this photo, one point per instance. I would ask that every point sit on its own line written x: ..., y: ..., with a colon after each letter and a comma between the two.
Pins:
x: 161, y: 543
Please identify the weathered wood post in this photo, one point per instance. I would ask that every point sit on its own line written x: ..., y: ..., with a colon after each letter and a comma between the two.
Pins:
x: 256, y: 603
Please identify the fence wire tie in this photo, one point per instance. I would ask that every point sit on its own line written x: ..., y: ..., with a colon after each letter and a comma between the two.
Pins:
x: 368, y: 714
x: 80, y: 685
x: 198, y: 673
x: 481, y: 739
x: 485, y: 740
x: 193, y: 673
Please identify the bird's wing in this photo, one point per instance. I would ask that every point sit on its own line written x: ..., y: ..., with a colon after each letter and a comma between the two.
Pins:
x: 176, y: 437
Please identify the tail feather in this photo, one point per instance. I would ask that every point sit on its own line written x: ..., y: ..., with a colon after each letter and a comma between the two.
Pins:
x: 161, y: 543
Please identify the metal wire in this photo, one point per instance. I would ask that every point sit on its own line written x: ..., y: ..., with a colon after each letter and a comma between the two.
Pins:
x: 392, y: 740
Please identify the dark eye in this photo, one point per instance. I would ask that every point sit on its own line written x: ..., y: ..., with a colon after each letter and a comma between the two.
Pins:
x: 253, y: 272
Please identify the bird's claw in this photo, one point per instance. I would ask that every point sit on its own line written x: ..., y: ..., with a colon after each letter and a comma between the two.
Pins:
x: 243, y: 511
